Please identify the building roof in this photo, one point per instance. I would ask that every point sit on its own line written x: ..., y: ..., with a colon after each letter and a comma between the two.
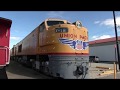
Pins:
x: 103, y: 40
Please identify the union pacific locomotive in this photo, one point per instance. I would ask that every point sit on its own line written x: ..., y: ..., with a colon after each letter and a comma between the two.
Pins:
x: 57, y: 48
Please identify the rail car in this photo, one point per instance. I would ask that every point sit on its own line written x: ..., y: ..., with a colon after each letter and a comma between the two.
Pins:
x: 57, y: 48
x: 5, y: 25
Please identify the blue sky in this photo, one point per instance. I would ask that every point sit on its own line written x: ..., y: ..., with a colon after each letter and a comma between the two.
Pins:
x: 100, y: 24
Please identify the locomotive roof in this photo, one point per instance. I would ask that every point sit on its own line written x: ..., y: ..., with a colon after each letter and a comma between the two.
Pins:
x: 54, y: 19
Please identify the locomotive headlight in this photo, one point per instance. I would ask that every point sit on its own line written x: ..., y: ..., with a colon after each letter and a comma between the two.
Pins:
x: 61, y: 30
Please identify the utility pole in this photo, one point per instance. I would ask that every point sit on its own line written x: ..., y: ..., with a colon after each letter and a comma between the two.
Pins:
x: 117, y: 43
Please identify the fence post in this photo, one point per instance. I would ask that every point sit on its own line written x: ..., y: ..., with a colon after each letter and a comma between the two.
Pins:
x: 114, y: 70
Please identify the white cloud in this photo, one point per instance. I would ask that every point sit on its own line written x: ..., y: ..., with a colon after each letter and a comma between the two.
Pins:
x: 96, y: 22
x: 15, y: 38
x: 109, y: 22
x: 55, y: 14
x: 101, y: 37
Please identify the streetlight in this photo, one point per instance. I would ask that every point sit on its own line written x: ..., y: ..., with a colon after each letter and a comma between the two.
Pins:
x: 117, y: 44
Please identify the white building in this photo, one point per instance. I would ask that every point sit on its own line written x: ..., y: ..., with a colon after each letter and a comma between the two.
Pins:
x: 104, y: 49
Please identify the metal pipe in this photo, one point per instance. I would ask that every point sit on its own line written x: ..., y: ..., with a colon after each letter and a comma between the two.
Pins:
x: 117, y: 44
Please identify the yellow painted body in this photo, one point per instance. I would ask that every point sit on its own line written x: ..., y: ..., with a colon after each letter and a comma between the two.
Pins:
x: 51, y: 44
x: 47, y: 42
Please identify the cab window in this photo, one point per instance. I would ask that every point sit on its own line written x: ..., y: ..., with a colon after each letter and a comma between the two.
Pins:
x: 42, y: 27
x: 51, y: 23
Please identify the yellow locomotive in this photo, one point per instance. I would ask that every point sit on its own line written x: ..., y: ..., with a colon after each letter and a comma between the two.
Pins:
x: 56, y: 47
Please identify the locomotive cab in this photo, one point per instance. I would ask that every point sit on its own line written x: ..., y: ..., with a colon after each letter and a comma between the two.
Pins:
x: 60, y: 33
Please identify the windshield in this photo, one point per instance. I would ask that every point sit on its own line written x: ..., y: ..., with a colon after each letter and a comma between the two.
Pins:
x: 51, y: 23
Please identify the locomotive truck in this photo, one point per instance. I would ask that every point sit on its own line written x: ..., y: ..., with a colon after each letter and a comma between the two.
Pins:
x: 5, y: 25
x: 57, y: 48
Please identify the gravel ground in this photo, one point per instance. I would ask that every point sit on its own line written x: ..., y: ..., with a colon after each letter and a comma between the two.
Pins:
x: 94, y: 72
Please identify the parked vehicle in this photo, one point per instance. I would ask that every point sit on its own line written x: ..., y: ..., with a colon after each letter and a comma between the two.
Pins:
x: 94, y: 59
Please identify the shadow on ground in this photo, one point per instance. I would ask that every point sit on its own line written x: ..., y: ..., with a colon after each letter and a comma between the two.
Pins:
x: 17, y: 69
x: 3, y: 74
